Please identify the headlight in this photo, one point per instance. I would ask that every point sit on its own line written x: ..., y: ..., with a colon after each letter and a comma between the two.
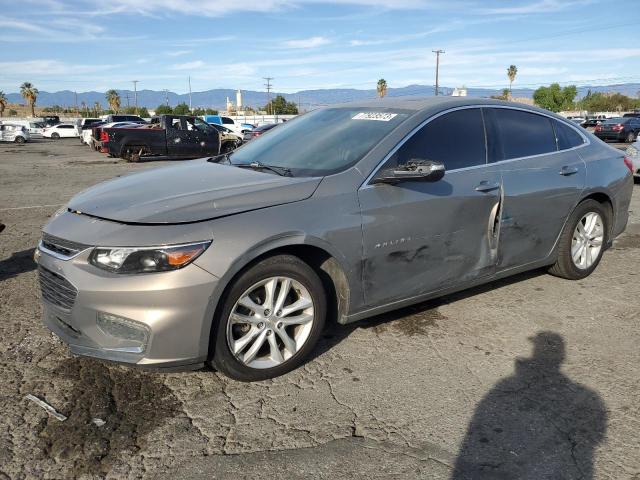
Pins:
x: 146, y: 259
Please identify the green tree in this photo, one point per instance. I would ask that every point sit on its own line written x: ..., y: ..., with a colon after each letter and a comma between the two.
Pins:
x: 164, y: 110
x: 381, y: 87
x: 211, y: 111
x: 512, y: 71
x: 97, y: 108
x: 113, y: 99
x: 3, y: 103
x: 607, y: 102
x: 143, y: 112
x: 181, y: 109
x: 280, y: 106
x: 555, y: 98
x: 30, y: 94
x: 13, y: 113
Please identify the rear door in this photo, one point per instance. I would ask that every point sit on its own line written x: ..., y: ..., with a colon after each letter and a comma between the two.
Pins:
x: 420, y: 237
x: 543, y: 177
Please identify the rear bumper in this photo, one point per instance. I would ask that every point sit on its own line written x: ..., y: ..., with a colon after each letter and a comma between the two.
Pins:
x: 610, y: 136
x: 621, y: 204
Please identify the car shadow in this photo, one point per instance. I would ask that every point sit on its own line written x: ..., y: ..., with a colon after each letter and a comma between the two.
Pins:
x: 335, y: 333
x: 17, y: 263
x: 535, y: 424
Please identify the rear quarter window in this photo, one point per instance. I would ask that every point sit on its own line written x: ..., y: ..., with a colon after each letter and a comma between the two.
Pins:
x: 521, y: 134
x: 567, y: 137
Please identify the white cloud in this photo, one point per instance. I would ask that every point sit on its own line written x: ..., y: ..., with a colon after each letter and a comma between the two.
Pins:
x: 539, y: 6
x: 311, y: 42
x: 188, y: 65
x: 178, y: 53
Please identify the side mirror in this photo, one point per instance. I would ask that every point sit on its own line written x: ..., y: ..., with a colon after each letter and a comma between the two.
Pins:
x: 413, y: 170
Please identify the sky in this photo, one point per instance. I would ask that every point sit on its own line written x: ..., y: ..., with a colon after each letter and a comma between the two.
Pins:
x: 311, y: 44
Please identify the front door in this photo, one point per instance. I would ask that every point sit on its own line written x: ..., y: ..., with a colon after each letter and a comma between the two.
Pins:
x: 421, y: 237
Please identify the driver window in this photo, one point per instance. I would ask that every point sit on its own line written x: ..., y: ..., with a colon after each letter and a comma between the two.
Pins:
x: 176, y: 124
x: 455, y: 139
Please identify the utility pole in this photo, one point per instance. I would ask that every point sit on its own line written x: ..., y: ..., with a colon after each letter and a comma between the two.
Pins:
x: 135, y: 94
x: 268, y: 85
x: 190, y: 109
x: 127, y: 95
x: 166, y: 97
x: 75, y: 96
x: 437, y: 52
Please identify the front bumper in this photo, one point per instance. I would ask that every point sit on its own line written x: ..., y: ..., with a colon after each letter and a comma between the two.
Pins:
x: 176, y: 307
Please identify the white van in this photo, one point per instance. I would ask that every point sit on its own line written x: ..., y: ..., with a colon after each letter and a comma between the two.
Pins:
x: 34, y: 126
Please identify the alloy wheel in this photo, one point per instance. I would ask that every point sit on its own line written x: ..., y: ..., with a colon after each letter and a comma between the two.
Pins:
x: 270, y: 322
x: 587, y: 240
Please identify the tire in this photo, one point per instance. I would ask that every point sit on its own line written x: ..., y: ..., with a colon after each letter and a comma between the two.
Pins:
x: 55, y: 136
x: 565, y: 266
x: 19, y: 139
x: 264, y: 365
x: 630, y: 137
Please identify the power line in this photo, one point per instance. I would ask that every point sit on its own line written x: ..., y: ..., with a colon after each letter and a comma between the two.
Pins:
x: 437, y: 52
x: 135, y: 94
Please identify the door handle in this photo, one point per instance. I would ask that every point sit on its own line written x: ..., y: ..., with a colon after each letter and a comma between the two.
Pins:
x: 485, y: 186
x: 566, y: 170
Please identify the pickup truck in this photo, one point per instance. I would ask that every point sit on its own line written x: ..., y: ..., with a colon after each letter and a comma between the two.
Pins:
x: 167, y: 137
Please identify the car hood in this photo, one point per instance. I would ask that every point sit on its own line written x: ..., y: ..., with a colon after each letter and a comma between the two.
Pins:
x: 190, y: 192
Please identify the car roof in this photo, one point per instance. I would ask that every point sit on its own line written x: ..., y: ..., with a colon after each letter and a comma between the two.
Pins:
x: 435, y: 104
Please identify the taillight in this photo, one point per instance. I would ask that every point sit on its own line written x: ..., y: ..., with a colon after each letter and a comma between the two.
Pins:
x: 617, y: 128
x: 104, y: 136
x: 598, y: 128
x: 628, y: 163
x: 255, y: 134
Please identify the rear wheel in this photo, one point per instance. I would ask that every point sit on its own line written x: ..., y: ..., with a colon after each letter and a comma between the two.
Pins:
x: 582, y: 241
x: 19, y: 139
x: 133, y: 153
x: 55, y: 136
x: 630, y: 137
x: 270, y: 320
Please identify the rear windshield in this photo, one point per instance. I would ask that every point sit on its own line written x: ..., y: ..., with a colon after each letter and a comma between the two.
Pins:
x: 321, y: 142
x: 614, y: 121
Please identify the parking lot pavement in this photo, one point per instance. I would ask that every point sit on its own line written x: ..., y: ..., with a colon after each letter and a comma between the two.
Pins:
x: 530, y: 374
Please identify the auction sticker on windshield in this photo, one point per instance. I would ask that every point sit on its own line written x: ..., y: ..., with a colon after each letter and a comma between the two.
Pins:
x: 379, y: 116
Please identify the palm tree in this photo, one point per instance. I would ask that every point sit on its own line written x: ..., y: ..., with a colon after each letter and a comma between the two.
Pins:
x: 113, y: 99
x: 382, y: 87
x: 30, y: 94
x: 97, y: 108
x: 512, y: 71
x: 3, y: 103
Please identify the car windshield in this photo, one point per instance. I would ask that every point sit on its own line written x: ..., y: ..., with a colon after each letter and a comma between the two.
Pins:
x: 614, y: 121
x: 202, y: 125
x: 321, y: 142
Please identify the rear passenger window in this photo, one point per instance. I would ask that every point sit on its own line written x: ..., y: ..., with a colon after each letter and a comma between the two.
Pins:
x: 455, y: 139
x: 567, y: 136
x: 522, y: 134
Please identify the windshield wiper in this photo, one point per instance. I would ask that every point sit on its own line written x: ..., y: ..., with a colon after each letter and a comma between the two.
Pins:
x: 282, y: 171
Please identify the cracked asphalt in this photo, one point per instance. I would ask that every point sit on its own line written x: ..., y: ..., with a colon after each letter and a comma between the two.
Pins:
x: 530, y: 377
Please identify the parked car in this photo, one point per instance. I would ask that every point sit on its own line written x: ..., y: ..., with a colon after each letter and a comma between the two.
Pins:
x: 90, y: 134
x: 84, y: 124
x: 633, y: 154
x: 61, y: 130
x: 619, y: 129
x: 634, y: 114
x: 116, y: 117
x: 350, y: 211
x: 35, y: 128
x: 259, y: 131
x: 167, y: 137
x: 590, y: 124
x: 229, y: 140
x: 10, y: 132
x: 228, y: 122
x: 51, y: 120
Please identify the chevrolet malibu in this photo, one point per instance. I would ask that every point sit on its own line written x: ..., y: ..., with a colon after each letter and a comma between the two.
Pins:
x: 343, y: 213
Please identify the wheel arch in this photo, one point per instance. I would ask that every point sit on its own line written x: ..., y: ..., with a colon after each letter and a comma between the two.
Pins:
x: 604, y: 199
x: 328, y: 264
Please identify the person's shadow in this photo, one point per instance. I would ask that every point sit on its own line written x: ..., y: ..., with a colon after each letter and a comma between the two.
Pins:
x: 535, y: 424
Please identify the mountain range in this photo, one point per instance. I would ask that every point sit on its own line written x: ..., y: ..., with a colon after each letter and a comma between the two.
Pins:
x: 307, y: 99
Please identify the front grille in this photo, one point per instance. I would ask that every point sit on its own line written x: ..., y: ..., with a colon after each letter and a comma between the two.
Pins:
x: 66, y: 248
x: 56, y: 289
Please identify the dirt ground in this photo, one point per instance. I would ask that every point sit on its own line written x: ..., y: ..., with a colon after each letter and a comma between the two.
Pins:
x: 534, y: 377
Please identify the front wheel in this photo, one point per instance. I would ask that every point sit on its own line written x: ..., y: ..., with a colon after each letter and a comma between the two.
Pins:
x: 630, y: 137
x: 20, y: 140
x: 55, y: 136
x: 582, y: 241
x: 270, y: 320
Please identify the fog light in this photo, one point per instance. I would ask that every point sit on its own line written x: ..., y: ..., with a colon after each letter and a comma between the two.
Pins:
x: 131, y: 336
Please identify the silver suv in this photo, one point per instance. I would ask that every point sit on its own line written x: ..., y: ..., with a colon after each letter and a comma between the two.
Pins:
x: 10, y: 132
x: 343, y: 213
